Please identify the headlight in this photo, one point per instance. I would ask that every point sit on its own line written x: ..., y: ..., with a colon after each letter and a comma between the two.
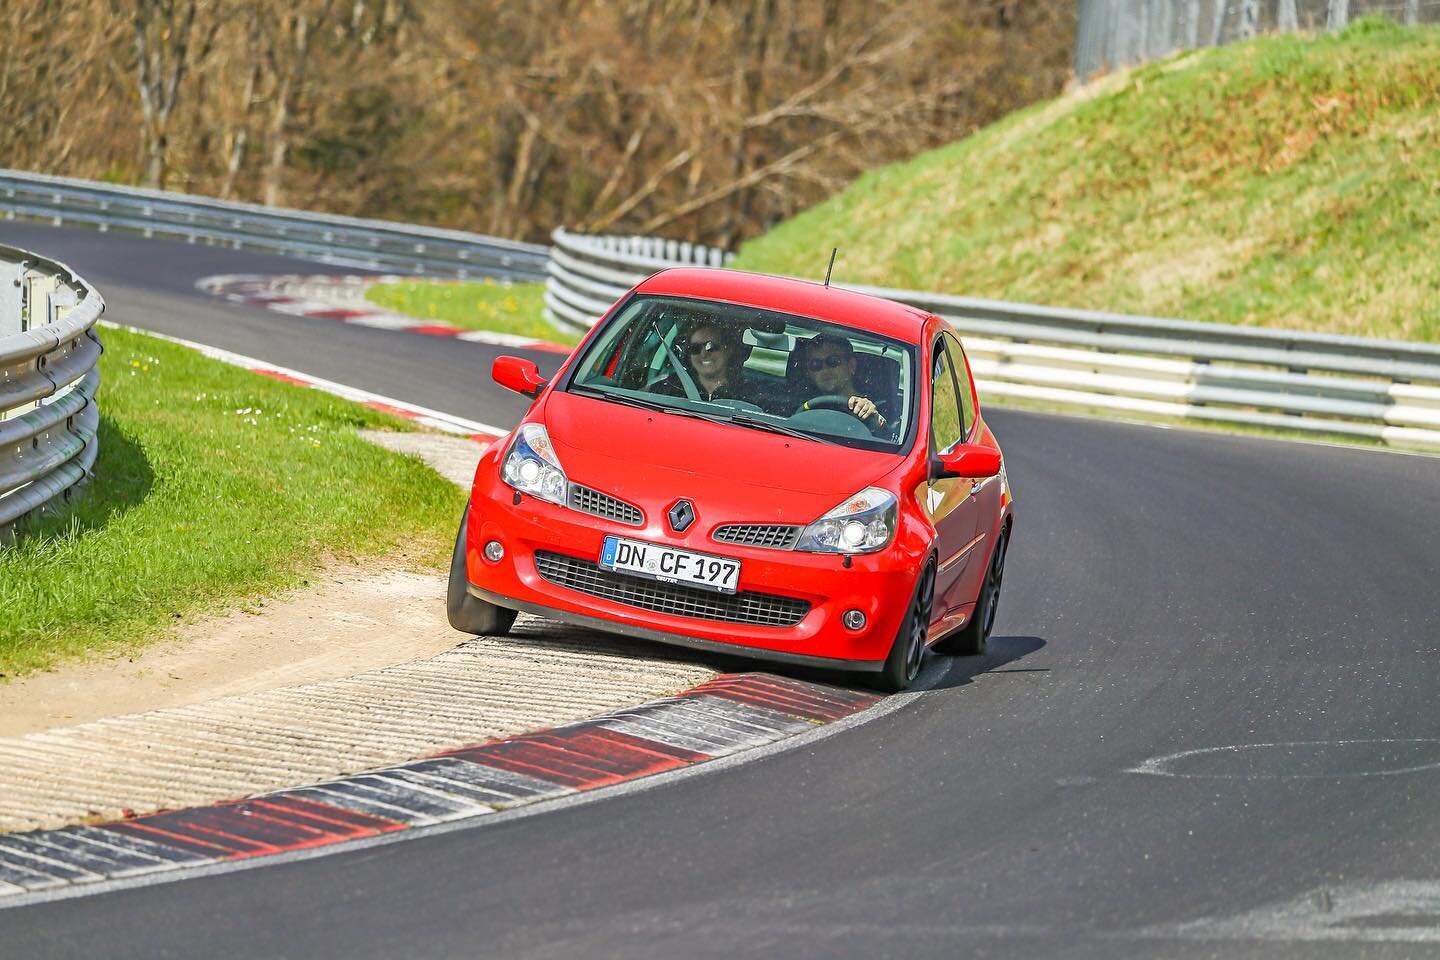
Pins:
x: 532, y: 467
x: 863, y: 524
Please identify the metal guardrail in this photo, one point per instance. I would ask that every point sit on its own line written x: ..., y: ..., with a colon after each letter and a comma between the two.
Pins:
x: 1119, y: 33
x: 326, y: 238
x: 48, y: 379
x: 1382, y: 390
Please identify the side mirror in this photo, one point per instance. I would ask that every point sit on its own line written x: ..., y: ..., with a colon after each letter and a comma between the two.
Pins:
x: 970, y: 460
x: 522, y: 376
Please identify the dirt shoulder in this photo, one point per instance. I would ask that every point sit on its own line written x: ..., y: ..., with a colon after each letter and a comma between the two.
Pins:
x: 347, y: 621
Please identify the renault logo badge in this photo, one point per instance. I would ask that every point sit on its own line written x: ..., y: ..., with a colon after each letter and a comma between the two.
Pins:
x: 681, y: 515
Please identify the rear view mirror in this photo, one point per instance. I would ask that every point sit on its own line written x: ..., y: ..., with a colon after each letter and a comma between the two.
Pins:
x: 522, y: 376
x: 970, y: 460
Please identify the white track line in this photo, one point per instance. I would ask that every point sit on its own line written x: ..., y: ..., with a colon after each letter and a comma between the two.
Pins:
x: 440, y: 420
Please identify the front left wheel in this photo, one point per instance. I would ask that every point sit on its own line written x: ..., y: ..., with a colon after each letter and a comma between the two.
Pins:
x: 908, y: 650
x: 971, y: 639
x: 470, y: 614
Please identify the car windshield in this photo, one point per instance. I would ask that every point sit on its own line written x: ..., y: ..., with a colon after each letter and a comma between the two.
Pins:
x: 757, y: 369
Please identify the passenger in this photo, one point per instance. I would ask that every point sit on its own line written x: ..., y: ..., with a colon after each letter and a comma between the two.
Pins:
x: 714, y: 355
x: 827, y: 365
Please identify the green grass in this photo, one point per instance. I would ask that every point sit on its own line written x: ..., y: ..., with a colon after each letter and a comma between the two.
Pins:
x: 497, y: 307
x: 212, y: 486
x: 1288, y: 182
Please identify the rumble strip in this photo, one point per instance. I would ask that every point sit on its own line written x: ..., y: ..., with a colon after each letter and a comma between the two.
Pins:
x: 335, y: 298
x: 728, y: 715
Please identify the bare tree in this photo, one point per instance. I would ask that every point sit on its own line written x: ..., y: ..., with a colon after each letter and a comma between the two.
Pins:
x: 702, y: 119
x: 165, y: 42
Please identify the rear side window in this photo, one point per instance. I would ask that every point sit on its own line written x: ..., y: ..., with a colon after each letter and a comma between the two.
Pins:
x: 964, y: 379
x: 946, y: 428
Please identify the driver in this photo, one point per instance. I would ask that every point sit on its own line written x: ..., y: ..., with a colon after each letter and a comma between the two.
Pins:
x: 714, y: 354
x: 827, y: 364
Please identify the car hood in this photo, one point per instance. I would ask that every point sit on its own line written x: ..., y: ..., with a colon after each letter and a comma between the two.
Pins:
x: 652, y: 457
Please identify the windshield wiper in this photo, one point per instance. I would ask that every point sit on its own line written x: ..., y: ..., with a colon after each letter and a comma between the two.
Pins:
x: 643, y: 404
x: 623, y: 398
x: 740, y: 419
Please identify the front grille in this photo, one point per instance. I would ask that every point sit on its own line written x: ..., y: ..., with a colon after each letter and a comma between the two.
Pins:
x: 586, y: 576
x: 603, y: 505
x: 778, y: 536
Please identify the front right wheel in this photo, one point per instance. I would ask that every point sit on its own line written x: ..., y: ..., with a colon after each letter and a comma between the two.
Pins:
x: 908, y: 650
x: 467, y: 613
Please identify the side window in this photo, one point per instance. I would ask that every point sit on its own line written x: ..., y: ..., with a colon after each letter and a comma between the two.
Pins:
x: 964, y: 378
x: 946, y: 430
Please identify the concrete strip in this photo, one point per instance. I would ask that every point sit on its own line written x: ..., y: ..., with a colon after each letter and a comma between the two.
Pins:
x: 481, y: 781
x: 237, y: 746
x: 454, y: 458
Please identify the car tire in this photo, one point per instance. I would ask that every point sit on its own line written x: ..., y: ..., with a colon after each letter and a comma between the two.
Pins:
x: 971, y: 640
x: 908, y: 651
x: 470, y: 614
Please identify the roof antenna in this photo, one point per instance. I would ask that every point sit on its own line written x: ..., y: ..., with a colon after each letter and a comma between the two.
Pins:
x: 833, y: 251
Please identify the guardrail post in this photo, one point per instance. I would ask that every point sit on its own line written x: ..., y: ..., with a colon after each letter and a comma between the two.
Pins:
x: 60, y: 302
x: 38, y: 287
x: 11, y: 299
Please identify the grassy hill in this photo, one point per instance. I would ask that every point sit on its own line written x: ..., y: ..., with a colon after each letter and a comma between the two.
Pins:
x: 1288, y: 181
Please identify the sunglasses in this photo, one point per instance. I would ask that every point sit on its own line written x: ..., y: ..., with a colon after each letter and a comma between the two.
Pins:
x: 706, y: 346
x: 816, y: 364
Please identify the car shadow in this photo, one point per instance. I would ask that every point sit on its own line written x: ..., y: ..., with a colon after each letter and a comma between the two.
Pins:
x: 1001, y: 651
x: 543, y: 632
x: 955, y: 671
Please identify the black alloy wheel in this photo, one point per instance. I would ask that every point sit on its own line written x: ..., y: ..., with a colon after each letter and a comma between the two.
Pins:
x: 995, y: 578
x: 971, y: 639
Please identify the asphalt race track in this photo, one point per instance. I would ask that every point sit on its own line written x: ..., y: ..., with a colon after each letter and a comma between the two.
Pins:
x: 1168, y: 591
x: 151, y: 284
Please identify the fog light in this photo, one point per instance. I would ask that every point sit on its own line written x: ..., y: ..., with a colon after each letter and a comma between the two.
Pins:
x: 853, y: 620
x: 494, y: 550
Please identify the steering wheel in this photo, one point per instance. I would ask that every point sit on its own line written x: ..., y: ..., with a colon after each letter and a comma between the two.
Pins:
x: 829, y: 401
x: 833, y: 401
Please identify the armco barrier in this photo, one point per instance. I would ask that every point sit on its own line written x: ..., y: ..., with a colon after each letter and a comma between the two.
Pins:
x: 1319, y: 383
x: 325, y: 238
x: 48, y: 379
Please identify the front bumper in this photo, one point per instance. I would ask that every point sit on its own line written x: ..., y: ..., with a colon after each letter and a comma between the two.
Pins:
x: 676, y: 639
x: 878, y: 584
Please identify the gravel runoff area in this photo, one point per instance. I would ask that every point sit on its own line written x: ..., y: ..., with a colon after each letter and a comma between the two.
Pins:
x: 541, y: 675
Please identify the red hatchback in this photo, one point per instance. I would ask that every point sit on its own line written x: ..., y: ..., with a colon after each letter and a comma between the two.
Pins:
x: 752, y: 465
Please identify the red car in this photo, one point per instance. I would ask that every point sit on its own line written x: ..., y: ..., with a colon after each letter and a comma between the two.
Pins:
x: 747, y: 464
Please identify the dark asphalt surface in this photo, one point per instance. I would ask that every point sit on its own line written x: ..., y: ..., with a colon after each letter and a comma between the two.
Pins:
x: 151, y: 284
x: 1167, y: 591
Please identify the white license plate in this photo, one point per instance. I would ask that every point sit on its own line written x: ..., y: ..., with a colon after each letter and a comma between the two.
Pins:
x: 670, y: 565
